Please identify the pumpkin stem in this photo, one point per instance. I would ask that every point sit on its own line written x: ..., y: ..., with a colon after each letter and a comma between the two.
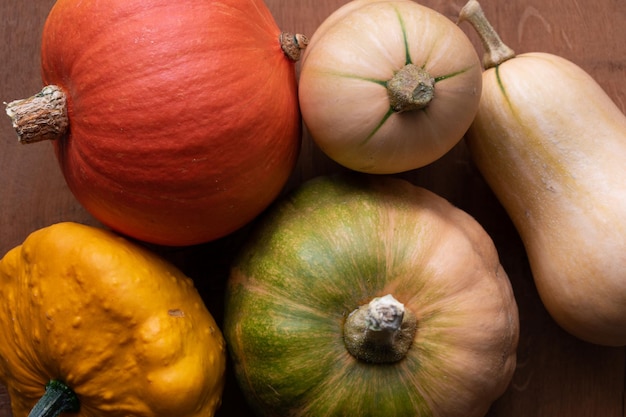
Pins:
x: 496, y: 51
x: 381, y: 331
x: 58, y: 398
x: 411, y: 88
x: 293, y: 45
x: 40, y: 117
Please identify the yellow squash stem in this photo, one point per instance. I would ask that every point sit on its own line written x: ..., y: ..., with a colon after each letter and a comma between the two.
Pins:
x: 496, y: 52
x: 381, y: 331
x: 58, y: 398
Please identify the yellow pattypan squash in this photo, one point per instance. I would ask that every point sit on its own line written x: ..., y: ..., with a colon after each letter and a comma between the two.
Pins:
x: 104, y: 327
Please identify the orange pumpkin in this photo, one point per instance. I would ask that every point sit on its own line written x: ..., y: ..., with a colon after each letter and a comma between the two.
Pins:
x: 176, y: 122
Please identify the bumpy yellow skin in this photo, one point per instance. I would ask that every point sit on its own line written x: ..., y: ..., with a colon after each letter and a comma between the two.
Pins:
x: 125, y: 330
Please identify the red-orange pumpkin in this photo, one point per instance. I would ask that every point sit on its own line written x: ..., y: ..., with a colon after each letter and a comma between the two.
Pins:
x: 183, y: 115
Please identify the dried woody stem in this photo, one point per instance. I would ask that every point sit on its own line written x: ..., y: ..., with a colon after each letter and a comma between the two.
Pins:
x: 40, y: 117
x: 381, y: 331
x: 496, y: 52
x: 293, y: 45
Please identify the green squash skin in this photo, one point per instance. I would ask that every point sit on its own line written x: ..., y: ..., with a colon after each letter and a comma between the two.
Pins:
x: 332, y: 246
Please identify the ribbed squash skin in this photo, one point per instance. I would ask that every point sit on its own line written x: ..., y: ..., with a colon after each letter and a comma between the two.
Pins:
x: 331, y: 247
x: 552, y: 146
x: 184, y: 120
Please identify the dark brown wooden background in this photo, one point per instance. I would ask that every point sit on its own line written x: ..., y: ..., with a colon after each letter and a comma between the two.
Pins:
x: 557, y: 375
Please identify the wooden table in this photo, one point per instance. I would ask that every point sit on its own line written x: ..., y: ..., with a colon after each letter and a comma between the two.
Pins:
x: 557, y: 375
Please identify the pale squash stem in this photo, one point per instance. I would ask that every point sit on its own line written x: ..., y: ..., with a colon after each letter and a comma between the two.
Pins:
x: 381, y: 331
x: 411, y: 88
x: 496, y: 51
x: 57, y: 399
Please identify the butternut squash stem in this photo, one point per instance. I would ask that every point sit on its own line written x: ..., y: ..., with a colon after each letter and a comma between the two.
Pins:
x: 381, y: 331
x: 496, y: 51
x: 411, y: 88
x: 293, y: 45
x: 40, y: 117
x: 58, y: 398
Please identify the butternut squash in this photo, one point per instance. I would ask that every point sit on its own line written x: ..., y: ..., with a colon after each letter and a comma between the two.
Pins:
x: 551, y: 144
x: 381, y: 81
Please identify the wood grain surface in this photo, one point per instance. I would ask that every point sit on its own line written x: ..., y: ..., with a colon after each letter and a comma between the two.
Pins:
x: 557, y: 375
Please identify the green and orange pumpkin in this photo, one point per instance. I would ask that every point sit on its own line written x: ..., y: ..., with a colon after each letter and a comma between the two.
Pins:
x: 369, y: 296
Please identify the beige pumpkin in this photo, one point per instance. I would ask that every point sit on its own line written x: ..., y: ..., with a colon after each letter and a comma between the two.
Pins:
x: 552, y: 146
x: 388, y: 86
